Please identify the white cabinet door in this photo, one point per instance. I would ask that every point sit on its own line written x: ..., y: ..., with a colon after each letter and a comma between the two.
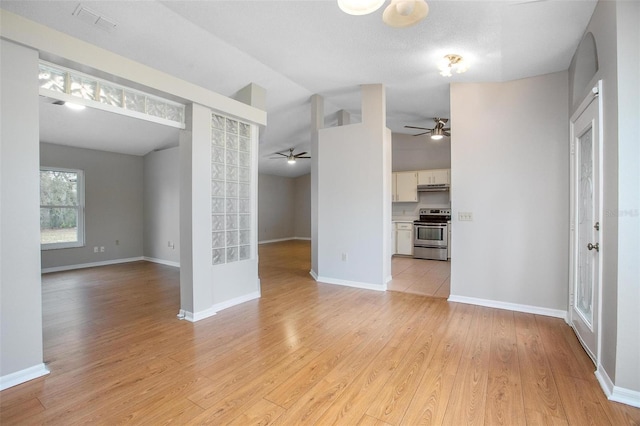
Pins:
x: 425, y: 177
x: 394, y: 187
x: 434, y: 177
x: 404, y: 238
x: 441, y: 176
x: 406, y: 186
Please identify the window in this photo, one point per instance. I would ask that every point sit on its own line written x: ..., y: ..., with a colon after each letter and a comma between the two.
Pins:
x: 61, y: 208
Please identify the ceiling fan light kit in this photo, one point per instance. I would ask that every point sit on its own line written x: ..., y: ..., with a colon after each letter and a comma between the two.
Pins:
x: 438, y: 132
x: 404, y: 13
x: 451, y: 63
x: 360, y: 7
x: 290, y: 156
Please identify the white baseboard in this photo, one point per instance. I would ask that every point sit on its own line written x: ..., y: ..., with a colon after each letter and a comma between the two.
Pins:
x: 556, y: 313
x: 313, y: 274
x: 197, y: 316
x: 90, y: 265
x: 22, y: 376
x: 162, y: 261
x: 616, y: 393
x: 356, y: 284
x: 278, y: 240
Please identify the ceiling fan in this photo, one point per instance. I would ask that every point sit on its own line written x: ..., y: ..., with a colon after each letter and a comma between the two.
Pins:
x: 438, y: 132
x: 290, y: 156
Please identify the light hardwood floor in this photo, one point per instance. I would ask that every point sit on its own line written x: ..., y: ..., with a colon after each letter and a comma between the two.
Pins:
x: 305, y: 353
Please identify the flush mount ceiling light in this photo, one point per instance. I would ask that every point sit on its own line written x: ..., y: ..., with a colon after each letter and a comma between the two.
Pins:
x: 404, y: 13
x: 70, y: 105
x: 359, y: 7
x: 452, y: 63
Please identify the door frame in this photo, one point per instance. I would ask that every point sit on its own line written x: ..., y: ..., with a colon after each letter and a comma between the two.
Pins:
x: 594, y: 95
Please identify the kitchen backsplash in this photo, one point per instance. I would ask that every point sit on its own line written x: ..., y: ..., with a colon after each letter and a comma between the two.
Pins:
x: 425, y: 199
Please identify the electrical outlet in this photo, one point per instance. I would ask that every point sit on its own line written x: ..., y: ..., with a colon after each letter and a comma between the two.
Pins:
x: 95, y: 249
x: 117, y: 242
x: 465, y: 216
x: 102, y: 249
x: 345, y: 257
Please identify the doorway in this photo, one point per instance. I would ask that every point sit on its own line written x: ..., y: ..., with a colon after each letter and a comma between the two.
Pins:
x: 585, y: 210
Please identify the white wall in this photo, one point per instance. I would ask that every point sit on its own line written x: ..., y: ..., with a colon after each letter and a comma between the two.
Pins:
x: 21, y: 350
x: 354, y: 198
x: 162, y: 205
x: 513, y: 177
x: 113, y: 204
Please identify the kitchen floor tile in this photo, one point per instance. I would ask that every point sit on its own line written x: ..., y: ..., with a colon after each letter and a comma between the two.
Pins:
x: 420, y: 276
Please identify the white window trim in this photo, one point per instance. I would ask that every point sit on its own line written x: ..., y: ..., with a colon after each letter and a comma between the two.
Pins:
x: 80, y: 188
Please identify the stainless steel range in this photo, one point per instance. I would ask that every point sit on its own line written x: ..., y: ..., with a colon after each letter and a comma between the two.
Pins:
x: 430, y: 234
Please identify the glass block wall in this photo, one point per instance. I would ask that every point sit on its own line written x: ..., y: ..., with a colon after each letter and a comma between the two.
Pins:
x: 56, y: 79
x: 230, y: 189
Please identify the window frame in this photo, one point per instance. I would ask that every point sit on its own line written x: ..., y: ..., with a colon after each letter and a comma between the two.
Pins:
x: 80, y: 185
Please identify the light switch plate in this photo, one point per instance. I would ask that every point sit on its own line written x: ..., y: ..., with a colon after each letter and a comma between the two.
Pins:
x: 465, y: 216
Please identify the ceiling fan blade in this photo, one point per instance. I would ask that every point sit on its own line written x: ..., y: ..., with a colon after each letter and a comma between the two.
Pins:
x: 423, y: 133
x: 447, y: 129
x: 302, y: 157
x: 298, y: 155
x: 279, y: 153
x: 421, y: 128
x: 447, y: 133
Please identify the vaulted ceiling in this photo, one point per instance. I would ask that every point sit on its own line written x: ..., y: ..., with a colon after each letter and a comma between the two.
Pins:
x: 295, y: 49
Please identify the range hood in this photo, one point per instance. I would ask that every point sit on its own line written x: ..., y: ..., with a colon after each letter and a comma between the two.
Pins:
x: 439, y: 187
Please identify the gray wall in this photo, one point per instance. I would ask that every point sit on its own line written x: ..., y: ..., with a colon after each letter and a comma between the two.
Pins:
x: 284, y: 207
x: 506, y: 176
x: 420, y: 153
x: 162, y: 205
x: 614, y: 26
x: 21, y: 293
x: 302, y: 206
x: 113, y: 204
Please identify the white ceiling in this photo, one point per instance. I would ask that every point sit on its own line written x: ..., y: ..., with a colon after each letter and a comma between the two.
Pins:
x: 295, y: 49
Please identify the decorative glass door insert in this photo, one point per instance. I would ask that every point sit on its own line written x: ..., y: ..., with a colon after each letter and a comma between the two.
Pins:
x: 584, y: 290
x: 231, y: 172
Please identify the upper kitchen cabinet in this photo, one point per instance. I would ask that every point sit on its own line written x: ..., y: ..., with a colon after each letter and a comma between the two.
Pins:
x: 434, y: 177
x: 405, y: 187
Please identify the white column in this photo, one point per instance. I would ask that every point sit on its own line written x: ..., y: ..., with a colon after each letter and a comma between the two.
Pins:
x: 21, y: 349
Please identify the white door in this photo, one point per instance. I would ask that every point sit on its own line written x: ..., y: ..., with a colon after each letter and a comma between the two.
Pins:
x: 585, y: 223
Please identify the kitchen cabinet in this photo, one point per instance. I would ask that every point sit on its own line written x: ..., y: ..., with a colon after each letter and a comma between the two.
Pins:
x: 405, y: 187
x: 434, y: 177
x: 404, y: 238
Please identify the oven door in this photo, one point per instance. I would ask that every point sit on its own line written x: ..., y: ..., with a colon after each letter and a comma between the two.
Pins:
x: 430, y: 235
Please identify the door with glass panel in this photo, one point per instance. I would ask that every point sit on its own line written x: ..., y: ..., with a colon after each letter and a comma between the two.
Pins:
x: 585, y: 224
